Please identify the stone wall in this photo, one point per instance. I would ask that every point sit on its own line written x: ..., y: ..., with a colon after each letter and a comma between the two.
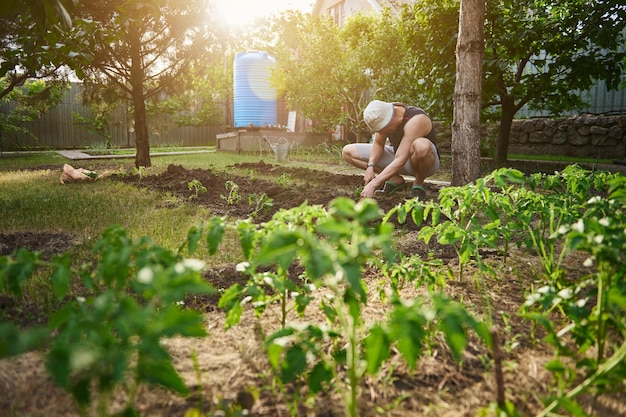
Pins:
x: 588, y: 136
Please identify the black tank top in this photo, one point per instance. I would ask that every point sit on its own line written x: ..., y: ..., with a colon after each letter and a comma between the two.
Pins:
x: 410, y: 112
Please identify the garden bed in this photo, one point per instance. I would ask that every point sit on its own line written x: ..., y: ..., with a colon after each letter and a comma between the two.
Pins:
x: 232, y: 365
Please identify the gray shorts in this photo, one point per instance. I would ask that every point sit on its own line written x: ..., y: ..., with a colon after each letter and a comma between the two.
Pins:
x: 364, y: 150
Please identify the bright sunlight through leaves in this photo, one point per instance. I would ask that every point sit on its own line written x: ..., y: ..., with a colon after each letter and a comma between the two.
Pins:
x: 241, y: 12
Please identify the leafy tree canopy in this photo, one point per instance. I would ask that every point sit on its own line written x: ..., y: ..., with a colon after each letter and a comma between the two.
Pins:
x: 144, y: 49
x: 328, y: 72
x: 541, y: 53
x: 27, y: 103
x: 38, y: 40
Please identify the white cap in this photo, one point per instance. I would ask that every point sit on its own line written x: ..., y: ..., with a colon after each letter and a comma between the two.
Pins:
x: 377, y: 115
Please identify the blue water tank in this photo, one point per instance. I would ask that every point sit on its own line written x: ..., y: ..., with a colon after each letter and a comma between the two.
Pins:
x: 255, y: 100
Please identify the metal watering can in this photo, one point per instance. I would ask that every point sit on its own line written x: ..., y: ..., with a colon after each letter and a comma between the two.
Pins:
x: 281, y: 149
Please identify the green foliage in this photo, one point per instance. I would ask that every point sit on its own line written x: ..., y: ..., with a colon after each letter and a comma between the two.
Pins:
x: 554, y: 215
x: 260, y: 202
x: 284, y: 179
x: 178, y: 33
x: 197, y: 187
x: 45, y: 14
x: 35, y: 46
x: 233, y: 196
x: 334, y: 246
x: 128, y: 298
x: 110, y: 336
x: 429, y: 32
x: 197, y: 98
x: 537, y: 53
x: 26, y: 104
x: 101, y: 100
x: 320, y: 56
x: 15, y: 341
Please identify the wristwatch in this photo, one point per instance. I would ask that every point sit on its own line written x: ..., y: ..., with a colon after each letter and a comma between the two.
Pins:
x: 370, y: 165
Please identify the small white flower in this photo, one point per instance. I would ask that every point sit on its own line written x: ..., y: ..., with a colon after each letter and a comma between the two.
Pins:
x: 145, y: 275
x: 588, y: 262
x: 242, y: 266
x: 563, y: 229
x: 80, y: 299
x: 579, y: 226
x: 283, y: 341
x: 194, y: 264
x: 565, y: 293
x: 604, y: 221
x: 598, y: 238
x: 594, y: 199
x: 180, y: 303
x: 544, y: 290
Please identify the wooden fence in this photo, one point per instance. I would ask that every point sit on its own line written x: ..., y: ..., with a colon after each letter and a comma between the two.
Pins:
x: 59, y: 129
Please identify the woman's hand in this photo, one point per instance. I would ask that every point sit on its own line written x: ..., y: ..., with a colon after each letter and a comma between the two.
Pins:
x: 368, y: 190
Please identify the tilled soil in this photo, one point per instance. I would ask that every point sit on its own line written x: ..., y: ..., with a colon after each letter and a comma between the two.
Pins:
x: 293, y: 187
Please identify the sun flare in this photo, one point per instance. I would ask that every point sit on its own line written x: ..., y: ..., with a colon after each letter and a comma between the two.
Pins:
x: 242, y: 12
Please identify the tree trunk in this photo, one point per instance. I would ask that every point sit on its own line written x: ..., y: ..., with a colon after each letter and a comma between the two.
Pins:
x: 504, y: 131
x: 467, y: 93
x: 142, y: 140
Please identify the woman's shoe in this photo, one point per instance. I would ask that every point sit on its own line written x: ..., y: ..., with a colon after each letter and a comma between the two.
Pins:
x: 417, y: 191
x: 391, y: 187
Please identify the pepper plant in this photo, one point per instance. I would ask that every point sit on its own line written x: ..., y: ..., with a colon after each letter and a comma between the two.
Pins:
x: 347, y: 240
x: 110, y: 335
x: 266, y: 287
x: 592, y: 306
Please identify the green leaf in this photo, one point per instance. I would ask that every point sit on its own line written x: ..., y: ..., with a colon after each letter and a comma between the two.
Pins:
x: 274, y: 353
x: 280, y: 248
x: 14, y: 341
x: 417, y: 214
x: 352, y: 273
x: 318, y: 262
x: 377, y: 348
x: 555, y: 366
x: 367, y: 210
x: 572, y: 407
x: 230, y: 296
x: 230, y: 300
x: 247, y: 232
x: 58, y: 364
x: 408, y: 329
x: 61, y: 275
x: 14, y: 272
x: 402, y: 214
x: 452, y: 328
x: 193, y: 237
x: 426, y: 233
x: 294, y: 363
x: 81, y: 391
x: 174, y: 321
x: 321, y: 375
x: 160, y: 371
x: 342, y: 207
x: 335, y: 228
x: 215, y: 234
x: 617, y: 297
